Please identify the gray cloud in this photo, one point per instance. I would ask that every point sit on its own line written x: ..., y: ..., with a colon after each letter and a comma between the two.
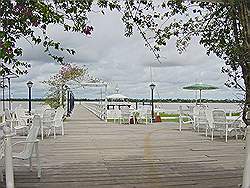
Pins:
x: 125, y: 62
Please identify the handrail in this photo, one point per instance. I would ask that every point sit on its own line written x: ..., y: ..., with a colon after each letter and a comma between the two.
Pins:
x: 97, y: 109
x: 8, y: 158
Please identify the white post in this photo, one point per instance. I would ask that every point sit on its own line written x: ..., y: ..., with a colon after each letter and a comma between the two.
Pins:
x: 8, y: 159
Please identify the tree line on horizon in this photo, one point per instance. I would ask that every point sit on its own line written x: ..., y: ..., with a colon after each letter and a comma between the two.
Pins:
x: 146, y: 100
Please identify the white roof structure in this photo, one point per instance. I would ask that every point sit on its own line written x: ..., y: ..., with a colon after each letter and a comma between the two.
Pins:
x: 117, y: 96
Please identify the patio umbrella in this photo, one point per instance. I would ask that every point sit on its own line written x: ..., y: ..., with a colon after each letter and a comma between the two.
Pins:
x: 200, y: 87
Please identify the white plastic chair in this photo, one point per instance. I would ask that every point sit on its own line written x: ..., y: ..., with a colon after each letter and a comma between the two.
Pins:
x: 117, y: 114
x: 125, y: 114
x: 143, y: 115
x: 201, y: 120
x: 39, y: 111
x: 23, y: 120
x: 220, y: 123
x: 47, y: 121
x: 58, y: 120
x: 10, y: 120
x: 184, y: 118
x: 30, y: 145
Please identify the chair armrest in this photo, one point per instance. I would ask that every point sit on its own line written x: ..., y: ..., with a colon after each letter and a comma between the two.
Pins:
x: 11, y: 120
x: 20, y: 142
x: 19, y: 137
x: 27, y: 117
x: 51, y: 121
x: 185, y: 117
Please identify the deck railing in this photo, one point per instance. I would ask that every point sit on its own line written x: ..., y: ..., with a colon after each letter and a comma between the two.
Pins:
x: 6, y: 149
x: 98, y: 109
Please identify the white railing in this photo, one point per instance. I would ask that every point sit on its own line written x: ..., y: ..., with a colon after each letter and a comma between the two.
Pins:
x: 6, y: 147
x: 98, y: 109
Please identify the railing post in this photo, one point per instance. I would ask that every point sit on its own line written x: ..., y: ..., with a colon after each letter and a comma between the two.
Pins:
x: 8, y: 159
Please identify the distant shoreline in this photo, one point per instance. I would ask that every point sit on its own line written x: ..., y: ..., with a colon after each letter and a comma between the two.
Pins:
x: 148, y: 100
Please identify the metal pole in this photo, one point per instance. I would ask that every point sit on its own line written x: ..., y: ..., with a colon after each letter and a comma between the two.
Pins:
x: 29, y: 100
x: 9, y: 94
x: 152, y: 102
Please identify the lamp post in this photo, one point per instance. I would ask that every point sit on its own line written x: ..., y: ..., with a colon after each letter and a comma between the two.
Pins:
x: 152, y: 86
x: 29, y: 84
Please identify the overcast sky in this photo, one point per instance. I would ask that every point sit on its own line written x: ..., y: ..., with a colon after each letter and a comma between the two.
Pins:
x: 125, y: 62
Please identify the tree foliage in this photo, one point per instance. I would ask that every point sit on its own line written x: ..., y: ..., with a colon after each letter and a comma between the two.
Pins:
x: 30, y: 19
x: 58, y: 83
x: 220, y: 27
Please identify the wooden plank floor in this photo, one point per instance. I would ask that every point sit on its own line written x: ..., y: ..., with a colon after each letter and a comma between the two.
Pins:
x: 96, y: 154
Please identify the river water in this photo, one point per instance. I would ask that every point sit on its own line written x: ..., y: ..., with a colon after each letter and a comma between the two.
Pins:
x: 164, y: 107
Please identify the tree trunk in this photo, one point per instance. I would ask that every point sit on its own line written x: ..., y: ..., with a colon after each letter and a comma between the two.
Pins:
x: 246, y: 118
x: 247, y: 77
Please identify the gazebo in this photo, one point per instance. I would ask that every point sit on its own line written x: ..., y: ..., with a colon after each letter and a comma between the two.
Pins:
x: 117, y: 97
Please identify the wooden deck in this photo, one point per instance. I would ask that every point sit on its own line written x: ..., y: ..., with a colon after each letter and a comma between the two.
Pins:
x: 96, y: 154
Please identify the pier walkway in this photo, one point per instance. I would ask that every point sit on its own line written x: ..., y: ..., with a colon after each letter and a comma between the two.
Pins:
x: 96, y: 154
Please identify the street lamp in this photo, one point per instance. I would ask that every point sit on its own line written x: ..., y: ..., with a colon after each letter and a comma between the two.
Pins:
x: 152, y: 86
x: 29, y: 84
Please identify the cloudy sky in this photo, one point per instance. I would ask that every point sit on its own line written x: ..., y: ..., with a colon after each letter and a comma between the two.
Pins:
x: 125, y: 62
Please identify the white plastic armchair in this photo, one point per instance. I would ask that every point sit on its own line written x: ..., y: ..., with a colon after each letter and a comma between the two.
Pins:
x: 30, y: 149
x: 220, y: 123
x: 10, y: 120
x: 125, y: 114
x: 143, y: 115
x: 117, y: 114
x: 184, y: 118
x: 47, y: 121
x: 58, y: 120
x: 201, y: 120
x: 22, y: 120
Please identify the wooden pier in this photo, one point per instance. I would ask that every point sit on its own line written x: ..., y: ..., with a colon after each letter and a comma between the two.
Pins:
x: 93, y: 153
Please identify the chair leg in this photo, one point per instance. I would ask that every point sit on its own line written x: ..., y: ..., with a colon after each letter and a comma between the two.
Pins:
x: 1, y: 173
x: 180, y: 124
x: 42, y: 132
x: 54, y: 132
x: 38, y: 162
x: 226, y: 135
x: 62, y: 129
x: 49, y: 132
x: 212, y: 137
x: 30, y: 162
